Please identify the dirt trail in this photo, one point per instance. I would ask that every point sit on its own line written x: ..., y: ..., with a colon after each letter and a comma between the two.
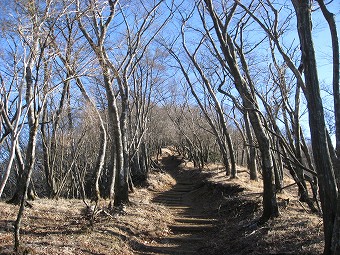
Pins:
x: 193, y: 225
x: 216, y: 215
x: 183, y: 211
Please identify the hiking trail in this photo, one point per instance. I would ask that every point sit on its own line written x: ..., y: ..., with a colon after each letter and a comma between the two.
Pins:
x: 193, y: 224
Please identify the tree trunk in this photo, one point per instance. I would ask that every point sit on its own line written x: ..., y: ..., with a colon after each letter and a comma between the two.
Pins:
x: 270, y: 207
x: 330, y: 17
x: 95, y: 193
x: 122, y: 196
x: 33, y: 122
x: 336, y: 94
x: 117, y: 147
x: 246, y: 91
x: 252, y: 150
x: 322, y: 159
x: 48, y: 168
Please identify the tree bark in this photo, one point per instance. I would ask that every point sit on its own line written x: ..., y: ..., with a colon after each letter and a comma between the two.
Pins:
x: 322, y: 159
x: 15, y: 132
x: 33, y: 122
x: 270, y: 207
x: 252, y: 166
x: 330, y: 17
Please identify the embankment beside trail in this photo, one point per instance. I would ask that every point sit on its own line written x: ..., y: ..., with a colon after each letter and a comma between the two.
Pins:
x: 182, y: 211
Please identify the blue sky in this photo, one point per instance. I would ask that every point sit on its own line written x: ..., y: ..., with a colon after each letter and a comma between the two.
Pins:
x: 322, y: 41
x: 323, y: 51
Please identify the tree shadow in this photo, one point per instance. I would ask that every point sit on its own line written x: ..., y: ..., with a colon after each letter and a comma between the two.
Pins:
x: 187, y: 236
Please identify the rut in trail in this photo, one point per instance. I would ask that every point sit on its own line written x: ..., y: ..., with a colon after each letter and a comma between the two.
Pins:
x: 194, y: 225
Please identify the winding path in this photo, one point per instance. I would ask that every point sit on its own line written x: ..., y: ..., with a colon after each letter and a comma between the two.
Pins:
x: 192, y: 226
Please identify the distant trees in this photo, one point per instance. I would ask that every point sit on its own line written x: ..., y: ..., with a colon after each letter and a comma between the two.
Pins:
x: 89, y: 89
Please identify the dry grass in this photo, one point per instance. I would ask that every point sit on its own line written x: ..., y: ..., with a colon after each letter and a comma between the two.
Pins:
x: 296, y: 231
x: 61, y: 227
x: 160, y: 181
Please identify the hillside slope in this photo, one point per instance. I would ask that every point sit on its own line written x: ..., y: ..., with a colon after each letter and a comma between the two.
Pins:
x: 182, y: 211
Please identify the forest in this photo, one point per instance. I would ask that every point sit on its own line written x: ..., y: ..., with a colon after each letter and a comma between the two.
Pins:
x: 92, y: 91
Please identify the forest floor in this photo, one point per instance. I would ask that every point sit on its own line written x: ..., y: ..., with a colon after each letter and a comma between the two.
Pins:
x: 182, y: 211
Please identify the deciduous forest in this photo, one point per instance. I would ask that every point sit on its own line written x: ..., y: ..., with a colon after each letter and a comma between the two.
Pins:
x: 130, y: 126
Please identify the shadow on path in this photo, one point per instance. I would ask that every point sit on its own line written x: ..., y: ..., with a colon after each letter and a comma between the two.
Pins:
x: 193, y: 225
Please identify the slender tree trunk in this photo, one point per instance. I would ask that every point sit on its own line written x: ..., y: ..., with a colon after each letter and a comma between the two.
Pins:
x: 322, y: 159
x: 277, y: 173
x: 122, y: 194
x: 270, y: 207
x: 246, y: 91
x: 330, y: 17
x: 33, y: 122
x: 117, y: 149
x: 304, y: 197
x: 48, y: 151
x: 233, y: 173
x: 14, y: 140
x: 252, y: 150
x: 95, y: 194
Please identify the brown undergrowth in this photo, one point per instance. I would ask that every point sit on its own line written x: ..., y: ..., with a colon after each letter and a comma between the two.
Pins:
x: 62, y: 227
x: 238, y: 203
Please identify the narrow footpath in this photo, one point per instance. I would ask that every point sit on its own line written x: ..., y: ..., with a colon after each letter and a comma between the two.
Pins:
x: 215, y: 215
x: 193, y: 224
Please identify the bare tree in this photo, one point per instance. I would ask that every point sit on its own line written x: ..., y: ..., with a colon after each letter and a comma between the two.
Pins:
x: 311, y: 89
x: 323, y: 162
x: 117, y: 75
x: 335, y: 245
x: 12, y: 125
x: 147, y: 78
x: 32, y: 34
x: 235, y: 63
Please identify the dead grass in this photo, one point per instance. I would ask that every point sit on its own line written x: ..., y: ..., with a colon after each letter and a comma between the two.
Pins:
x: 61, y: 227
x: 296, y: 231
x: 160, y: 181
